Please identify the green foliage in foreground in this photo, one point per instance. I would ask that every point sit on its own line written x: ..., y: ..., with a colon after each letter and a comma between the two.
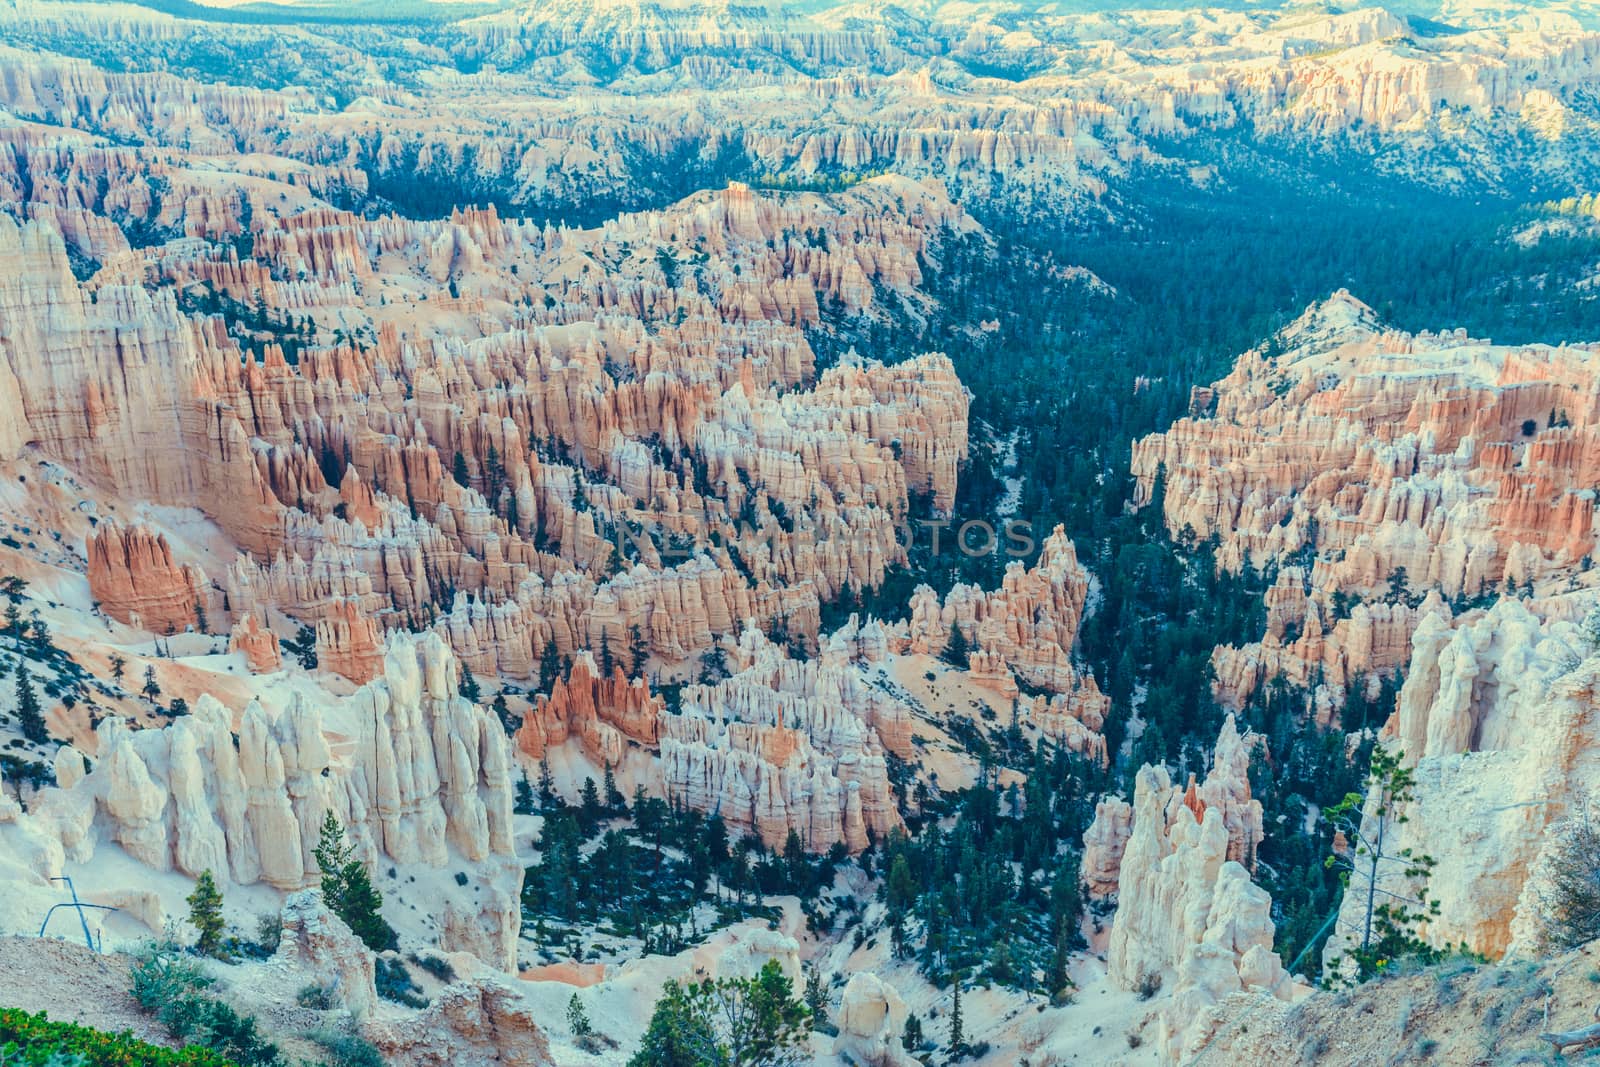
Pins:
x: 731, y: 1022
x: 29, y: 1040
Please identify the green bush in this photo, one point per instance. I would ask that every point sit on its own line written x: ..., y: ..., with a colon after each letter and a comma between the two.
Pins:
x: 28, y: 1040
x: 315, y: 997
x: 394, y: 983
x: 214, y: 1024
x: 347, y: 1050
x: 162, y: 977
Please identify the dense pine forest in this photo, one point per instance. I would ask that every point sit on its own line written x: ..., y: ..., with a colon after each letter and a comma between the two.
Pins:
x: 1077, y: 371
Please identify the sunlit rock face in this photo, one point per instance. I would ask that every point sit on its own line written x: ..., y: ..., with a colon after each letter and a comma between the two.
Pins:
x: 1400, y: 475
x: 604, y: 714
x: 1495, y: 720
x: 1189, y: 919
x: 418, y: 775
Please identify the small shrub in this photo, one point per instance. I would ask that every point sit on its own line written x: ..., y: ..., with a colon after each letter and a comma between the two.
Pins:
x: 217, y: 1026
x: 1148, y: 985
x: 162, y: 977
x: 269, y: 932
x: 316, y: 997
x: 41, y: 1042
x: 395, y: 983
x: 1134, y: 1040
x: 347, y: 1050
x: 437, y: 966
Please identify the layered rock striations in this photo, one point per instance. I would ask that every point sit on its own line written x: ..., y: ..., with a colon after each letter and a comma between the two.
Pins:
x: 1379, y: 467
x: 788, y: 745
x: 603, y: 714
x: 134, y: 579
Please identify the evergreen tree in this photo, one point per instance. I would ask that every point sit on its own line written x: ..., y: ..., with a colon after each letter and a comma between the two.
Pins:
x: 118, y: 666
x: 1386, y: 929
x: 549, y: 667
x: 468, y: 685
x: 816, y: 996
x: 30, y: 717
x: 205, y: 914
x: 152, y: 688
x: 590, y: 811
x: 911, y: 1037
x: 332, y: 855
x: 362, y: 909
x: 549, y: 800
x: 957, y: 652
x: 638, y: 651
x: 524, y: 804
x: 958, y: 1039
x: 494, y: 476
x: 578, y: 1019
x: 614, y: 799
x: 680, y: 1032
x: 608, y: 663
x: 347, y: 888
x: 458, y: 471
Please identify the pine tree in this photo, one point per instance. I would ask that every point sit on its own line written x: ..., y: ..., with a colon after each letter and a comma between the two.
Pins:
x: 30, y: 716
x: 458, y: 470
x: 362, y: 909
x: 524, y: 797
x: 638, y: 651
x: 205, y: 914
x: 348, y: 891
x: 816, y: 996
x: 957, y: 652
x: 468, y: 685
x: 332, y: 855
x: 549, y: 667
x: 911, y: 1037
x: 118, y: 666
x: 958, y: 1039
x: 578, y: 1019
x: 549, y: 799
x: 608, y: 663
x: 590, y: 811
x: 494, y: 475
x: 614, y: 799
x: 152, y: 688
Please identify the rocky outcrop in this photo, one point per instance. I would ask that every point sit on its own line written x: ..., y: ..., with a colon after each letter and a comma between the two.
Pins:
x: 259, y: 644
x: 604, y: 714
x: 416, y: 774
x: 787, y: 745
x: 1495, y: 720
x: 870, y: 1020
x: 1103, y: 845
x: 318, y: 942
x: 1395, y: 464
x: 350, y: 643
x: 135, y: 580
x: 1189, y: 919
x: 481, y: 1021
x: 1026, y: 627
